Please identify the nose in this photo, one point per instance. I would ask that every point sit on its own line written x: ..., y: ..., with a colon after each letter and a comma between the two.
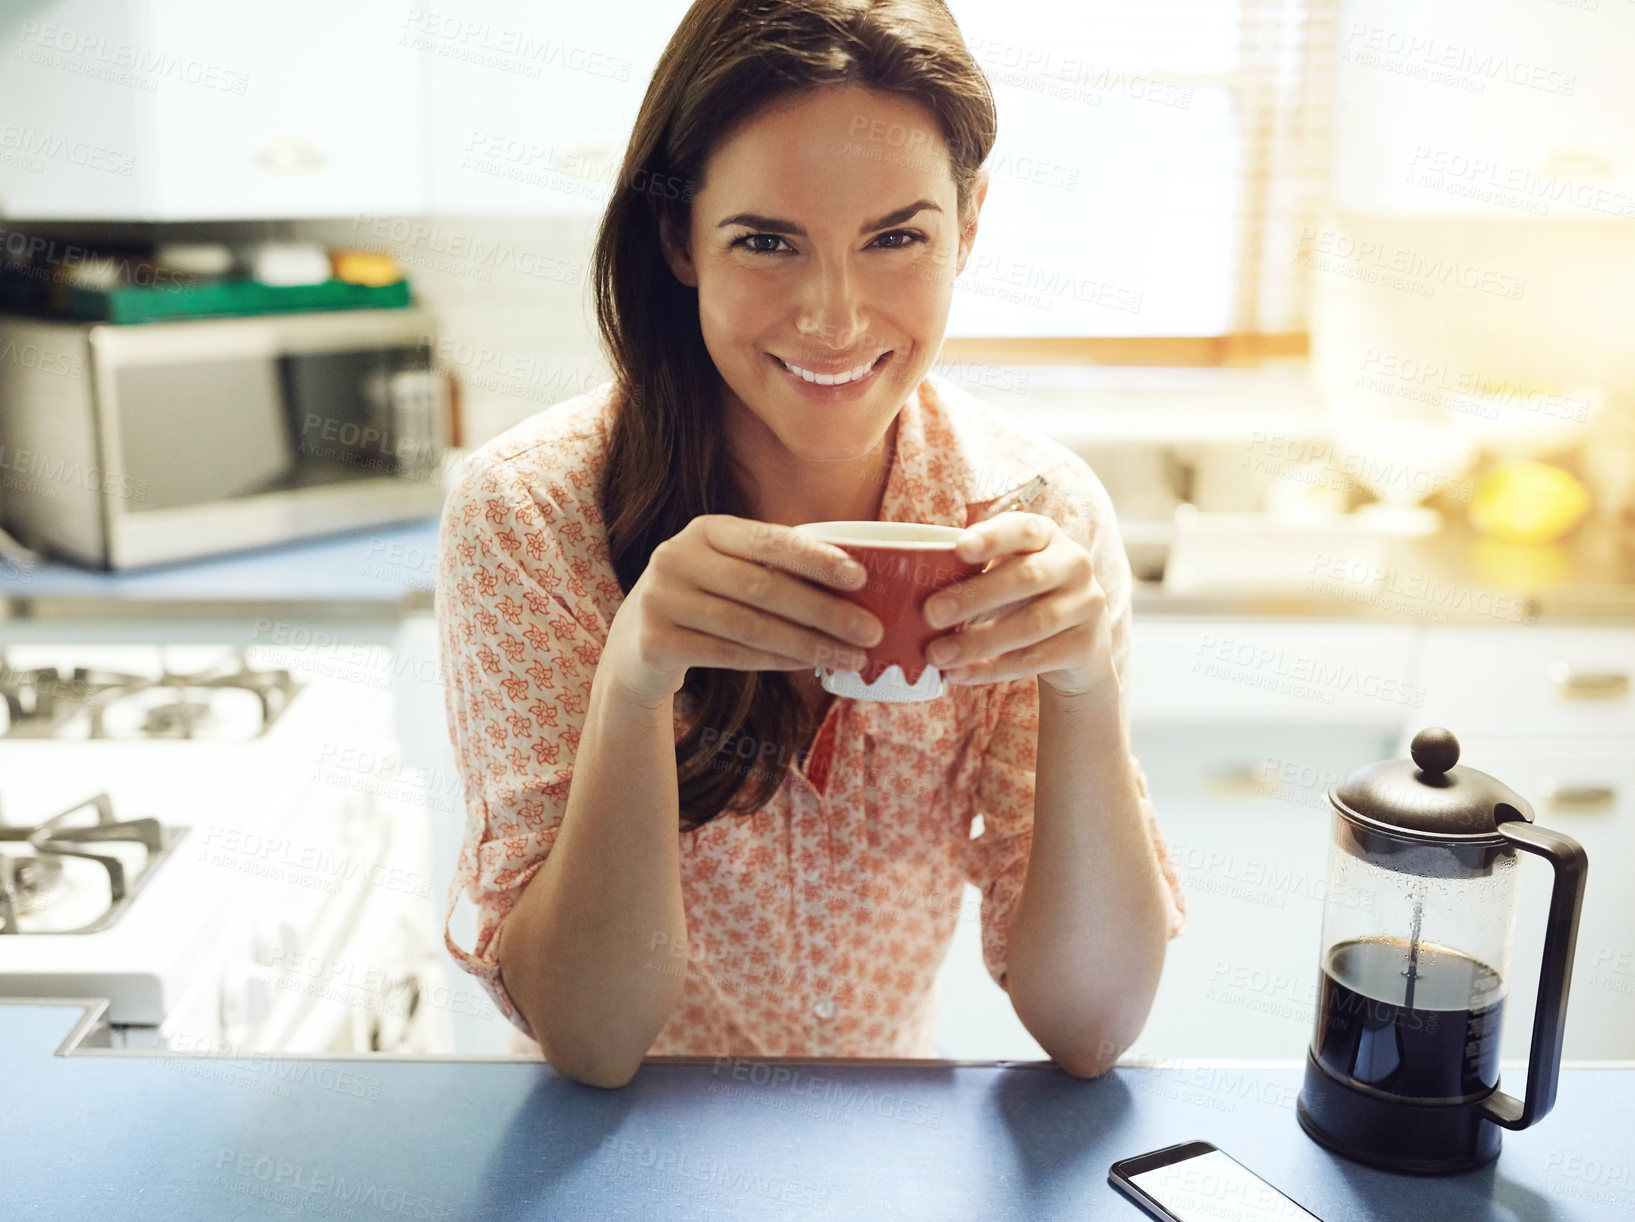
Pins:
x: 831, y: 309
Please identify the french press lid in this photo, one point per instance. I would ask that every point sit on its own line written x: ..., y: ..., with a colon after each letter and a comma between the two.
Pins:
x: 1430, y: 794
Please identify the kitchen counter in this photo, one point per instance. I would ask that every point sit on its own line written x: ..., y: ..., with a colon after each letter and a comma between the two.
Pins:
x: 97, y: 1134
x: 1452, y: 577
x: 384, y: 572
x: 389, y: 572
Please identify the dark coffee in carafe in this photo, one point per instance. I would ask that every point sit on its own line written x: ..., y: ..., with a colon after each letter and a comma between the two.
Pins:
x: 1419, y: 1022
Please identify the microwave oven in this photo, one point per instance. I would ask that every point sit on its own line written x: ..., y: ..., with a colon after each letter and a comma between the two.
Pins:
x: 126, y: 446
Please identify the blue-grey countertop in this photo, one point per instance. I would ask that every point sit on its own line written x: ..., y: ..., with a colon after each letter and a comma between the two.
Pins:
x: 380, y: 572
x: 387, y: 572
x: 99, y: 1134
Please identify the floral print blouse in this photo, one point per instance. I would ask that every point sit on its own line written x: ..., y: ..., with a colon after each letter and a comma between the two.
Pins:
x: 816, y: 926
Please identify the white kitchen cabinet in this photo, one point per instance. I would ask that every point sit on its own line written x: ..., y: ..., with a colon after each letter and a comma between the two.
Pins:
x: 1240, y: 726
x: 1242, y: 799
x: 1537, y: 683
x: 72, y: 143
x: 1239, y: 776
x: 420, y: 728
x: 1584, y: 788
x: 1191, y: 669
x: 182, y: 110
x: 1550, y: 712
x: 1478, y: 108
x: 531, y: 108
x: 1244, y: 809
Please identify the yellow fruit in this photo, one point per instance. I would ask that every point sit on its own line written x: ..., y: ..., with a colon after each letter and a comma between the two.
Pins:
x: 365, y: 267
x: 1527, y: 502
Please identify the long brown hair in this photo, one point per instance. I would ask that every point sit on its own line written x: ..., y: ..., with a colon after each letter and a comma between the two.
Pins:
x: 668, y: 460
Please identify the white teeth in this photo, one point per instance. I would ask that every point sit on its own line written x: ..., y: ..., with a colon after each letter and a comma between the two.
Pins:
x: 829, y: 379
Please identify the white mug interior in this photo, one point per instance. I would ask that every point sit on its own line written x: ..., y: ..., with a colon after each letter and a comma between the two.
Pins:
x: 883, y: 534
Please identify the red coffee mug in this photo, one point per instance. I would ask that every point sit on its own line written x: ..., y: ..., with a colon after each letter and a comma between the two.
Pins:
x: 906, y: 563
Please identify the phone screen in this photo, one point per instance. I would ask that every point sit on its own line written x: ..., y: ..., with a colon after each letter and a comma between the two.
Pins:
x: 1214, y: 1186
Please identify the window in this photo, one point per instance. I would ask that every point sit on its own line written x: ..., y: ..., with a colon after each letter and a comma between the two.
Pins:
x: 1155, y: 161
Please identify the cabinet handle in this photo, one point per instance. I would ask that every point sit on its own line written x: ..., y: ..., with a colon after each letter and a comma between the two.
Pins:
x: 1572, y: 683
x: 1576, y: 798
x: 290, y: 157
x: 1235, y: 781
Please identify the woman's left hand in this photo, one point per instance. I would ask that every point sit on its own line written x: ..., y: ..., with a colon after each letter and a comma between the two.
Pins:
x: 1057, y: 628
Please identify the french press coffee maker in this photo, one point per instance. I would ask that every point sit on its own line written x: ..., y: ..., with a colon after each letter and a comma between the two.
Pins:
x: 1418, y: 919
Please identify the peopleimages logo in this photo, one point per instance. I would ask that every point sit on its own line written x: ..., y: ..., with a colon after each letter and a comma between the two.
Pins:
x: 1449, y: 63
x: 304, y: 1186
x: 123, y: 63
x: 39, y: 258
x: 512, y: 50
x: 199, y: 1050
x: 53, y: 473
x: 1391, y: 266
x: 713, y: 1178
x: 303, y: 864
x: 467, y: 248
x: 30, y: 142
x: 41, y: 359
x: 1520, y: 186
x: 1295, y: 674
x: 846, y: 1098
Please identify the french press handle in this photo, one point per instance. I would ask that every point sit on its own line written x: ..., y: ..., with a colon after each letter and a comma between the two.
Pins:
x: 1567, y: 859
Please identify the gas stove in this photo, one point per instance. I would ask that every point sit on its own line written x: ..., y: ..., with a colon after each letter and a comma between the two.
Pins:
x: 78, y: 870
x: 182, y: 827
x: 217, y: 697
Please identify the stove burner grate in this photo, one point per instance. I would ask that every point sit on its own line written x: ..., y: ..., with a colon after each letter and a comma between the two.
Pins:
x: 36, y: 864
x: 90, y: 702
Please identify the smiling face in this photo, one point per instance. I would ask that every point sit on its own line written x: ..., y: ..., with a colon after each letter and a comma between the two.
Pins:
x: 824, y: 245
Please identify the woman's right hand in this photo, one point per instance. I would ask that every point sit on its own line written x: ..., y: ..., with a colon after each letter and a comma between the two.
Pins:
x: 737, y: 594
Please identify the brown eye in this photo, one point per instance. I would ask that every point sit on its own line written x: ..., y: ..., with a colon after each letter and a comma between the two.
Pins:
x: 909, y: 236
x: 749, y: 238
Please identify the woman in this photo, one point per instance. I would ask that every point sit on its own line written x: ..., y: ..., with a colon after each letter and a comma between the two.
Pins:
x: 677, y: 842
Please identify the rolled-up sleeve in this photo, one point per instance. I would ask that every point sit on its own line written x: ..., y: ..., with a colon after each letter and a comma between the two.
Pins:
x: 520, y: 639
x: 997, y: 859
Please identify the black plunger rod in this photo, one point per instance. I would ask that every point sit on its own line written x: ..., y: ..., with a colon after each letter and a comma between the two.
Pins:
x: 1413, y: 949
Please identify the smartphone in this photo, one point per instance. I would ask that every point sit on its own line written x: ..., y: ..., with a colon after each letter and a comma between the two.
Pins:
x: 1196, y: 1182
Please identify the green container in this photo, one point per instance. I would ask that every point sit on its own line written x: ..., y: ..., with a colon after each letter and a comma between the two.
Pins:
x: 211, y: 299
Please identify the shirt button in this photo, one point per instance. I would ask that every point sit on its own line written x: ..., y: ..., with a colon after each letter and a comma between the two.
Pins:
x: 934, y: 731
x: 825, y: 1007
x: 814, y: 908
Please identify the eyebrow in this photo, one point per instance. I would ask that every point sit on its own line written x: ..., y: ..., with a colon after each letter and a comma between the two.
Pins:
x: 768, y: 224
